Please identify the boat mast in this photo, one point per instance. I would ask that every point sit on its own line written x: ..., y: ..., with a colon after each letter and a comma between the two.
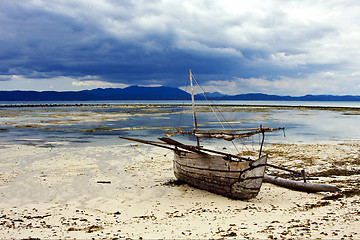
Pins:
x: 193, y: 107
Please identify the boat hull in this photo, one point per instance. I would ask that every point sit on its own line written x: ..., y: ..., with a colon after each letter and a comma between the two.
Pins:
x: 237, y: 180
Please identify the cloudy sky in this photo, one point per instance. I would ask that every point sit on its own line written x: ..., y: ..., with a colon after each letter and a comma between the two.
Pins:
x: 285, y: 47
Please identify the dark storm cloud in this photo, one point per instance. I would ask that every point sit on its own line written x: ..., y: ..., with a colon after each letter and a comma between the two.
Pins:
x: 156, y: 42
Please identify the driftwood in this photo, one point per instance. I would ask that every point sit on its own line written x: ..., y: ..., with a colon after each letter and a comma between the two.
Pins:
x: 300, y: 186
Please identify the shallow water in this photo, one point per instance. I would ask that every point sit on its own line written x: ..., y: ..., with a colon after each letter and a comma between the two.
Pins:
x: 51, y: 126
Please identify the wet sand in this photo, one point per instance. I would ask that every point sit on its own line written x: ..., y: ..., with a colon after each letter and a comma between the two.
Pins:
x: 126, y: 190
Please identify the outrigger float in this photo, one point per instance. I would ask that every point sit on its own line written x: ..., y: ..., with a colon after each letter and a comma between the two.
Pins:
x: 222, y: 173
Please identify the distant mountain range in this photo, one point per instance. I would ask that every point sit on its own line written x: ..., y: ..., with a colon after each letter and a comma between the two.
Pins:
x: 129, y: 93
x: 153, y: 93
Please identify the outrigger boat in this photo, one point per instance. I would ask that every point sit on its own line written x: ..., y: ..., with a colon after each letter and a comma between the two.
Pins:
x: 219, y: 172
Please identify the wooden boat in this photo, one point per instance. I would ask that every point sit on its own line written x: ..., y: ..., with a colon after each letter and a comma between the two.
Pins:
x: 218, y: 172
x: 233, y: 179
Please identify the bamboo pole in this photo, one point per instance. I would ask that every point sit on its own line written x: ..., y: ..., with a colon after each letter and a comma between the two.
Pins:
x: 285, y: 169
x: 178, y: 144
x: 157, y: 144
x: 193, y: 107
x: 262, y: 141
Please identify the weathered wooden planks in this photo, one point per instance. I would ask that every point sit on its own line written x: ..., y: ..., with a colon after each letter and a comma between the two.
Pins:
x: 239, y: 180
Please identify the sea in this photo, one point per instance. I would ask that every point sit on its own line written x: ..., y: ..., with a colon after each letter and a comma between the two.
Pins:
x: 52, y: 124
x: 346, y: 104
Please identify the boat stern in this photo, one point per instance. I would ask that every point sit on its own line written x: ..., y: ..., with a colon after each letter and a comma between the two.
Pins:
x: 250, y: 180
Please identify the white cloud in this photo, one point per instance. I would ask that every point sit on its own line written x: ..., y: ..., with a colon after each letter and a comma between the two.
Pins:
x: 61, y: 83
x: 90, y: 84
x: 316, y: 84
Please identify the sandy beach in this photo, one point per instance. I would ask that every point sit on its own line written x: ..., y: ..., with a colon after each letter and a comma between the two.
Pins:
x: 127, y: 119
x: 128, y: 191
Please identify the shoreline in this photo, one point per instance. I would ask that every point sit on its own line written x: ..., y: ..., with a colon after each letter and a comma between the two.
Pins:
x: 128, y: 191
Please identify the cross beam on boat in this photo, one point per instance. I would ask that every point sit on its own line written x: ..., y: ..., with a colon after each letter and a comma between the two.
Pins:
x: 227, y: 134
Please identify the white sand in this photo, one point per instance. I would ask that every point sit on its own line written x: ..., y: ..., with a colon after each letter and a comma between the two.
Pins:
x: 64, y: 192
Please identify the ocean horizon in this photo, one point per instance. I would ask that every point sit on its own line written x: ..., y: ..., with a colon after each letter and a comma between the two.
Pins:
x: 343, y: 104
